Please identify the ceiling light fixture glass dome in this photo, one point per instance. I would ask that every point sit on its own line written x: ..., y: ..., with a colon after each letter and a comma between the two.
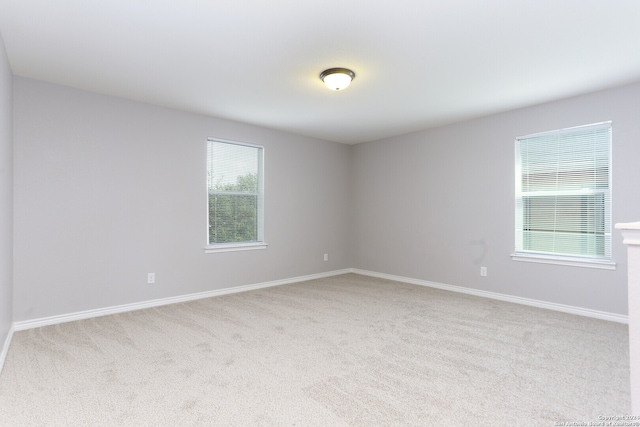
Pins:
x: 337, y: 78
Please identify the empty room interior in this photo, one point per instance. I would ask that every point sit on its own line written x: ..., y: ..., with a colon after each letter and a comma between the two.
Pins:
x: 201, y: 226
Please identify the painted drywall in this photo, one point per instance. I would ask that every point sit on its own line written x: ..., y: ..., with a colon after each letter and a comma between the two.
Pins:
x: 439, y: 204
x: 6, y: 195
x: 108, y: 190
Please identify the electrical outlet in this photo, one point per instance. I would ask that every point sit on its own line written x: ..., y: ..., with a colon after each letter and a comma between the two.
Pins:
x: 483, y: 271
x: 151, y: 278
x: 326, y: 257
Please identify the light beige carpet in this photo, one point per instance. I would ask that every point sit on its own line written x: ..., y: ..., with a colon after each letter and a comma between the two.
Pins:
x: 343, y: 351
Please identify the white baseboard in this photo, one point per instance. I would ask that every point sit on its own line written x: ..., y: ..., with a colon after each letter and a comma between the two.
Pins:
x: 603, y: 315
x: 5, y: 348
x: 54, y: 320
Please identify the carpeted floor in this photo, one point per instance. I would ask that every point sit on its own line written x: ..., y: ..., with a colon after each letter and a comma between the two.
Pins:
x: 343, y: 351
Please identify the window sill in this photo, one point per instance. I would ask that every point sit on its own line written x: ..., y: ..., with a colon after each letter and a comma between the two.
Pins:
x: 573, y: 262
x: 234, y: 247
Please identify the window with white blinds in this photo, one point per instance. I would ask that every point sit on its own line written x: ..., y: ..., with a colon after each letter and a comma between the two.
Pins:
x: 563, y: 194
x: 235, y: 193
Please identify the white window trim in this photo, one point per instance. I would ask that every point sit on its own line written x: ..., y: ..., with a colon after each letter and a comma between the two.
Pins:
x: 545, y: 258
x: 235, y: 247
x: 239, y: 246
x: 572, y: 262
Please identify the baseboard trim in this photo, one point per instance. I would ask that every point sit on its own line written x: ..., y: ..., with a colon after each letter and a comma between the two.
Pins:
x: 5, y: 348
x: 54, y: 320
x: 603, y: 315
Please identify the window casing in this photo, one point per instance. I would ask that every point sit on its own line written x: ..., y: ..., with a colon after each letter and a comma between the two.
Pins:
x: 563, y: 196
x: 235, y: 196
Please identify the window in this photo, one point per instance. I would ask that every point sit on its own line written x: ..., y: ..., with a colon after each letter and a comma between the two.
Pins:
x: 235, y: 196
x: 563, y: 196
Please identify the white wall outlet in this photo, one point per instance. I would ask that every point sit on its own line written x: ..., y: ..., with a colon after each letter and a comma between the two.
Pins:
x: 326, y: 257
x: 483, y: 271
x: 151, y: 278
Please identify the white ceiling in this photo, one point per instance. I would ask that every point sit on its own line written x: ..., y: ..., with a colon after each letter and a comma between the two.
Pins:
x: 418, y: 63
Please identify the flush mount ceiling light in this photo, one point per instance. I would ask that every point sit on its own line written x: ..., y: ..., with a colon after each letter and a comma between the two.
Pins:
x: 337, y: 78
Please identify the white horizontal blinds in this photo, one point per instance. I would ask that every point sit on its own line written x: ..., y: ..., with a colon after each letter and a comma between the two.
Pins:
x: 563, y: 192
x: 234, y: 187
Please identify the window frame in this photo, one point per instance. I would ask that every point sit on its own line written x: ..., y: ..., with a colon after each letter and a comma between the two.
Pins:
x: 260, y: 243
x: 600, y: 262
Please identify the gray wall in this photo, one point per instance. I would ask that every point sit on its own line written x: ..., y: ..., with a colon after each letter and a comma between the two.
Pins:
x: 6, y: 194
x: 438, y: 204
x: 107, y: 190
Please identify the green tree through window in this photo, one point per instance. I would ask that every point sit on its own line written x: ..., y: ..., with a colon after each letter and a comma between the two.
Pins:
x: 233, y: 210
x: 235, y: 192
